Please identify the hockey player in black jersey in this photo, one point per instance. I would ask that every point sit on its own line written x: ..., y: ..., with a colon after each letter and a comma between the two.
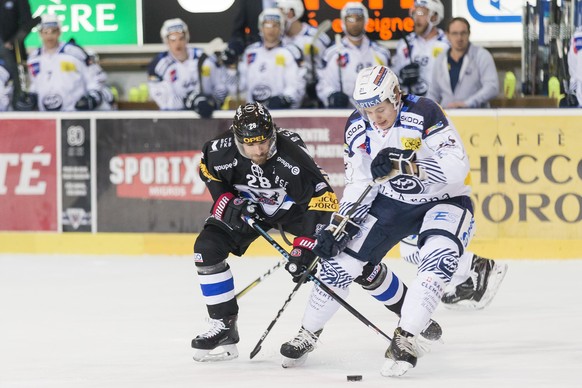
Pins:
x: 258, y: 170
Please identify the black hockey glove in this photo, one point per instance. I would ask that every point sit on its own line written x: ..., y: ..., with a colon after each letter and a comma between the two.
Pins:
x: 328, y: 245
x: 26, y: 102
x: 569, y: 101
x: 227, y: 57
x: 279, y: 102
x: 301, y: 257
x: 202, y: 104
x: 393, y: 158
x: 338, y: 100
x: 410, y: 74
x: 89, y: 101
x: 230, y: 209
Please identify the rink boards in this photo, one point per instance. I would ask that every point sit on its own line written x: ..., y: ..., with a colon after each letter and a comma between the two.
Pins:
x: 127, y: 182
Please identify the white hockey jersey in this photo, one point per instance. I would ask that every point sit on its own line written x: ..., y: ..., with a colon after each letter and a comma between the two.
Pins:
x: 421, y: 126
x: 171, y: 81
x: 6, y: 89
x: 575, y: 66
x: 341, y: 66
x: 266, y: 73
x: 60, y: 78
x: 305, y: 41
x: 421, y: 51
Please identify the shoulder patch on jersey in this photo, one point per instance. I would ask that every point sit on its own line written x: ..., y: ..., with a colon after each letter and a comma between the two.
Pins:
x: 206, y: 173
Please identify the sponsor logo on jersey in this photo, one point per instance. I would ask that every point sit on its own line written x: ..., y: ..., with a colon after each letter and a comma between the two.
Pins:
x: 434, y: 128
x: 215, y: 145
x: 320, y: 186
x: 251, y: 58
x: 294, y: 169
x: 227, y: 166
x: 412, y: 119
x: 160, y: 175
x: 326, y: 202
x: 68, y: 67
x: 410, y: 143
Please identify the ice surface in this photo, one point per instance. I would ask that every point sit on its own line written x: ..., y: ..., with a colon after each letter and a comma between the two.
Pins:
x: 127, y: 322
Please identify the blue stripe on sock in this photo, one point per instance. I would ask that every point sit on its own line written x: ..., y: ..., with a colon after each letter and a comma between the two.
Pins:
x: 217, y: 288
x: 390, y: 292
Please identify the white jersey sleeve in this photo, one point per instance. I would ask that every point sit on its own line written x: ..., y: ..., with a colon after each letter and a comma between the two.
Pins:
x: 6, y: 89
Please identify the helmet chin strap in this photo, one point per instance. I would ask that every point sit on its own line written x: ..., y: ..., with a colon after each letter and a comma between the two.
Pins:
x: 358, y: 37
x: 429, y: 28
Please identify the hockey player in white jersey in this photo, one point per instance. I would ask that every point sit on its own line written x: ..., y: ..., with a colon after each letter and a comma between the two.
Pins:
x: 574, y: 97
x: 343, y: 60
x: 311, y: 43
x: 271, y: 72
x: 415, y: 54
x: 59, y: 72
x: 409, y: 144
x: 183, y: 77
x: 6, y: 87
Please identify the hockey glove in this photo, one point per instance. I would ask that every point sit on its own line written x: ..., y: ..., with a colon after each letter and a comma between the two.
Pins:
x: 389, y: 159
x: 410, y: 74
x: 338, y: 100
x: 330, y: 243
x: 89, y: 101
x: 569, y: 101
x: 227, y: 57
x: 229, y: 210
x: 279, y: 102
x: 26, y: 102
x: 202, y: 104
x: 301, y: 257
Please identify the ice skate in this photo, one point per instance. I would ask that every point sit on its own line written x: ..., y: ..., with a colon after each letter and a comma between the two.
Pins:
x: 222, y: 336
x: 431, y: 334
x: 401, y: 355
x: 478, y: 291
x: 295, y: 352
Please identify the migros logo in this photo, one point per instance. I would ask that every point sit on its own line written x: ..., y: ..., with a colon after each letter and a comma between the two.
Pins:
x: 384, y: 26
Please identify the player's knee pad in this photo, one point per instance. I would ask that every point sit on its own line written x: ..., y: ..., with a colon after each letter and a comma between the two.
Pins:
x: 372, y: 276
x: 210, y: 252
x: 340, y: 271
x: 440, y: 256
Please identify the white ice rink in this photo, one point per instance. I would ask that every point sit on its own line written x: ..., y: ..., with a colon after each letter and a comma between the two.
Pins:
x: 127, y: 322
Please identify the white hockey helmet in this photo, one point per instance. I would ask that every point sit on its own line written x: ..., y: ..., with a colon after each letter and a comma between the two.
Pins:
x: 435, y: 7
x: 49, y: 20
x: 296, y: 5
x: 271, y: 15
x: 375, y: 85
x: 174, y: 25
x: 354, y: 8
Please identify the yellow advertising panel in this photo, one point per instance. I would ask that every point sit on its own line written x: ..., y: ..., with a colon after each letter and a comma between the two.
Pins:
x: 526, y: 170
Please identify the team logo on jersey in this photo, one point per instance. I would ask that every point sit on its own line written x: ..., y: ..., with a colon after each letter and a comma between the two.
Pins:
x: 52, y: 102
x: 410, y: 143
x: 406, y: 184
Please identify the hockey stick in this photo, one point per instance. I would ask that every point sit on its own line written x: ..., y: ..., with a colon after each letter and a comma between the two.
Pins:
x: 214, y: 46
x: 259, y: 279
x: 303, y: 278
x: 338, y: 43
x: 318, y: 282
x: 323, y: 27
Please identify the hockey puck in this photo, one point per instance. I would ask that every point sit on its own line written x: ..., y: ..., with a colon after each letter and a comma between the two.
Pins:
x: 354, y: 377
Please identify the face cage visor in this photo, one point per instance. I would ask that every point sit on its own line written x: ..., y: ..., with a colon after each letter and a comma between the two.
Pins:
x: 272, y: 145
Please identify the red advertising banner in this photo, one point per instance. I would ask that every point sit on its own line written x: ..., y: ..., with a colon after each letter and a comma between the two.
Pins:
x: 159, y: 175
x: 28, y: 175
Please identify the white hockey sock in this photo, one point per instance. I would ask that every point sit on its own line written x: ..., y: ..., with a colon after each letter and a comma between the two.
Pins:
x: 321, y: 307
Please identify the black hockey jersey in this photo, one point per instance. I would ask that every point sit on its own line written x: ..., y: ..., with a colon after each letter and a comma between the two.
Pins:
x: 290, y: 188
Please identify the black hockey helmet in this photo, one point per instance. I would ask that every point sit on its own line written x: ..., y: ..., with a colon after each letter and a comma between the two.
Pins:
x: 253, y: 124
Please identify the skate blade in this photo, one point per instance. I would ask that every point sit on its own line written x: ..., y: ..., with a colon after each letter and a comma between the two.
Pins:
x: 293, y: 362
x: 228, y: 352
x: 493, y: 282
x: 393, y: 368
